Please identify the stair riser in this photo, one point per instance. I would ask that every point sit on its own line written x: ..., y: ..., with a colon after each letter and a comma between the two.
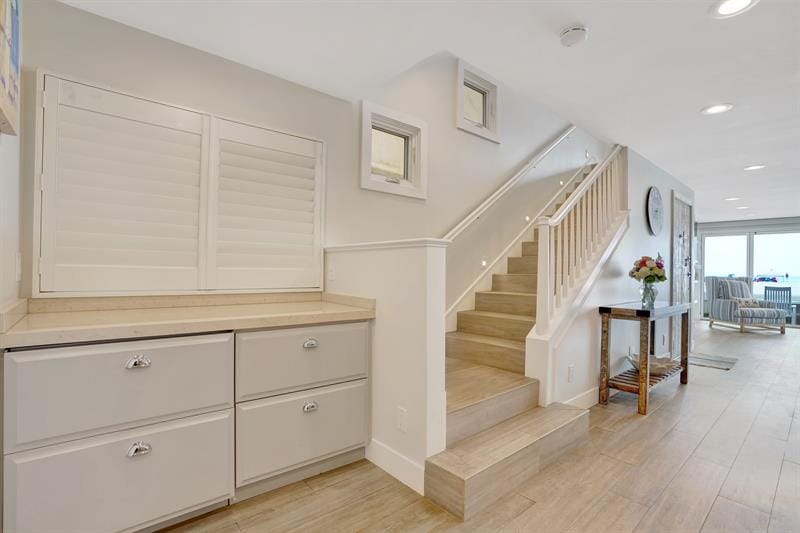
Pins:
x: 466, y: 498
x: 503, y: 328
x: 483, y: 415
x: 523, y: 265
x: 504, y: 282
x: 486, y: 354
x: 516, y: 304
x: 530, y: 248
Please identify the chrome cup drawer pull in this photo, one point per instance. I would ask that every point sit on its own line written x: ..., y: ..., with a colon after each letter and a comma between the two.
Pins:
x: 310, y: 407
x: 138, y: 361
x: 139, y: 448
x: 310, y: 343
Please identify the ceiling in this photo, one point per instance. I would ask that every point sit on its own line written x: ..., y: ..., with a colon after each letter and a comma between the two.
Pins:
x: 640, y: 80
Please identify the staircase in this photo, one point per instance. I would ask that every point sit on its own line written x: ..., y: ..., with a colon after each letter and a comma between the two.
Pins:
x: 498, y: 436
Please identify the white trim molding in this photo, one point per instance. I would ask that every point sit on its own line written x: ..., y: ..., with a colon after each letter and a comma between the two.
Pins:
x: 380, y: 245
x: 415, y: 131
x: 483, y: 83
x: 397, y: 465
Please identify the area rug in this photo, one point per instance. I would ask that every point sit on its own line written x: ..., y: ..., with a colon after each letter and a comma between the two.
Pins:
x: 712, y: 361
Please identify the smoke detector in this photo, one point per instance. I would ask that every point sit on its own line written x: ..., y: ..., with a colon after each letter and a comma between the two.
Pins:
x: 573, y: 36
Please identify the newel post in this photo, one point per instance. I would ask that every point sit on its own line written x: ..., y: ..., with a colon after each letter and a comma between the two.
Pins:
x: 544, y: 292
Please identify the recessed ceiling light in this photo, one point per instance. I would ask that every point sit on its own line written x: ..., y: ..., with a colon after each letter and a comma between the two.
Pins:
x: 732, y: 199
x: 743, y: 207
x: 716, y: 109
x: 723, y: 9
x: 755, y: 167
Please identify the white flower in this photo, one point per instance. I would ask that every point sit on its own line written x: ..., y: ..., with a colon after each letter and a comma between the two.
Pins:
x: 651, y: 264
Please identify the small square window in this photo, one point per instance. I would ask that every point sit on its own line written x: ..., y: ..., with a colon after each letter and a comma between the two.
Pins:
x: 393, y: 152
x: 474, y: 105
x: 389, y: 154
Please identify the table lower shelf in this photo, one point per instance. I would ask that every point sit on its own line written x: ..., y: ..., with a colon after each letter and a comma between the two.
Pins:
x: 628, y: 381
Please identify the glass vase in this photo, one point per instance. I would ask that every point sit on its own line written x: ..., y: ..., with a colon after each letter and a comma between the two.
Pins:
x: 649, y: 292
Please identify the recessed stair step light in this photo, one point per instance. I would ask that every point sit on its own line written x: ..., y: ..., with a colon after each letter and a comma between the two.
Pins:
x: 716, y: 109
x: 732, y: 199
x: 743, y: 207
x: 755, y: 167
x: 723, y: 9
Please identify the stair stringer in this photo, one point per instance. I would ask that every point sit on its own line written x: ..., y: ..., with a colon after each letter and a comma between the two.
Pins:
x: 540, y: 348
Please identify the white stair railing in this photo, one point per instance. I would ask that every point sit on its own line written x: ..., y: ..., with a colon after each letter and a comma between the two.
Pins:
x: 570, y: 237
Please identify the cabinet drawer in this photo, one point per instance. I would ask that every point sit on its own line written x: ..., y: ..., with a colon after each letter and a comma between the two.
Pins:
x: 95, y: 485
x: 278, y: 434
x: 59, y: 394
x: 277, y: 361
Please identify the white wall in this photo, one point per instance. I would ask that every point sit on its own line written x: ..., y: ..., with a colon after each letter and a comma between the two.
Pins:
x: 581, y: 346
x: 407, y: 281
x: 9, y: 218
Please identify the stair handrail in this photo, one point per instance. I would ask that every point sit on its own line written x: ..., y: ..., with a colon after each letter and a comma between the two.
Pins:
x: 476, y: 213
x: 576, y: 195
x: 570, y: 238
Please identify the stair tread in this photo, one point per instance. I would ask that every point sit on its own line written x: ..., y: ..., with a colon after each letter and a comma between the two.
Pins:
x: 508, y: 293
x: 526, y: 318
x: 489, y: 447
x: 496, y: 341
x: 470, y: 383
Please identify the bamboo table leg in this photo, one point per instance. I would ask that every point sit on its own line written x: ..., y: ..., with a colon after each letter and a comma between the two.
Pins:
x: 644, y: 364
x: 604, y: 344
x: 685, y: 347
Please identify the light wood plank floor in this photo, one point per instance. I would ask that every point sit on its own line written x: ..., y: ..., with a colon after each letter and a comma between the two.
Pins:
x: 719, y: 455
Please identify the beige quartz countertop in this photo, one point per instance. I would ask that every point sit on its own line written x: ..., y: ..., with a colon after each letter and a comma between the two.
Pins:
x: 37, y: 329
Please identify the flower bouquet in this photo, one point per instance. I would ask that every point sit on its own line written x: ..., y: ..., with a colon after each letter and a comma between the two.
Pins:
x: 649, y: 271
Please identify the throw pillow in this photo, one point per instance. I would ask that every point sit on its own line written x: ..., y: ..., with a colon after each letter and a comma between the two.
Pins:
x: 746, y: 302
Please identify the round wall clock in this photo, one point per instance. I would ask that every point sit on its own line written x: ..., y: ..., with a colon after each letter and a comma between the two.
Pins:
x: 655, y: 211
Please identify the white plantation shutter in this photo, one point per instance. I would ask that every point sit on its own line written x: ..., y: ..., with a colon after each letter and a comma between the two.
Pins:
x: 139, y: 196
x: 265, y: 209
x: 121, y: 194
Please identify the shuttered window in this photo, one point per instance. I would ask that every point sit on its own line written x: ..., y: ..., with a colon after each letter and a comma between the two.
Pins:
x: 267, y: 221
x: 139, y: 196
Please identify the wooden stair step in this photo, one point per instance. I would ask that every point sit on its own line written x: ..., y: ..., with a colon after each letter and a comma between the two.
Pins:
x: 527, y: 264
x: 517, y: 303
x: 514, y: 282
x: 480, y: 396
x: 530, y: 248
x: 490, y: 351
x: 503, y: 325
x: 480, y: 470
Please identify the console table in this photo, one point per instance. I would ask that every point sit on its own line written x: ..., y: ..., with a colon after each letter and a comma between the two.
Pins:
x: 641, y: 382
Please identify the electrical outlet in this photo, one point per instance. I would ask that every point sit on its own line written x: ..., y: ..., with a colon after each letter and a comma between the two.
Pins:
x: 570, y: 373
x: 331, y: 273
x: 402, y: 419
x: 18, y: 267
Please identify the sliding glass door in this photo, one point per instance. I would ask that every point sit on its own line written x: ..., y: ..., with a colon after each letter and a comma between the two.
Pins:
x: 776, y: 270
x: 724, y: 256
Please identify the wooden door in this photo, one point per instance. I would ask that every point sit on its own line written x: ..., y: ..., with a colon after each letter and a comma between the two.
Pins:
x: 681, y: 279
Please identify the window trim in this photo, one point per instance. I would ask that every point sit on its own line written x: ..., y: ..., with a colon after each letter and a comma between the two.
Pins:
x: 415, y: 131
x: 475, y: 79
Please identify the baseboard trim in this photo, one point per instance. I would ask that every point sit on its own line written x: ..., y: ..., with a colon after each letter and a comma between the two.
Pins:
x: 12, y: 312
x: 397, y: 465
x: 585, y: 400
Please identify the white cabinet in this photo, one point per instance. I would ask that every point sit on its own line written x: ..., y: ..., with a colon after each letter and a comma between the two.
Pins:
x: 278, y: 434
x: 283, y: 360
x: 120, y: 436
x: 121, y: 481
x: 58, y: 394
